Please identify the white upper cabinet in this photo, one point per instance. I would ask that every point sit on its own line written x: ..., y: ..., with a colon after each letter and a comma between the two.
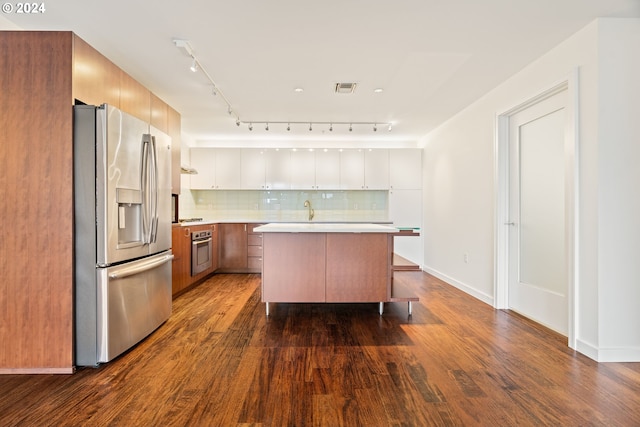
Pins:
x: 364, y: 169
x: 303, y: 169
x: 376, y: 169
x: 253, y: 169
x: 278, y: 170
x: 405, y: 168
x: 228, y: 167
x: 218, y: 168
x: 204, y: 161
x: 327, y: 169
x: 351, y: 169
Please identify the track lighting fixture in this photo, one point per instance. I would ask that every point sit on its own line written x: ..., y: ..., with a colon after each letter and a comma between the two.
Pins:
x: 194, y: 66
x: 390, y: 126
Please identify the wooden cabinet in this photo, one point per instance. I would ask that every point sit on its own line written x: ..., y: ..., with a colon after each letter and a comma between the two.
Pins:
x: 327, y: 267
x: 43, y: 74
x: 232, y: 255
x: 181, y: 265
x: 174, y: 129
x: 254, y: 249
x: 181, y: 247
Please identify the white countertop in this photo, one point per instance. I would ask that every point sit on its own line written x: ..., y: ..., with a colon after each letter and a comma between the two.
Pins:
x: 324, y: 228
x: 266, y: 221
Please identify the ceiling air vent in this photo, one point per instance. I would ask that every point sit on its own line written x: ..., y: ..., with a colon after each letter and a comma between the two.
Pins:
x: 345, y: 87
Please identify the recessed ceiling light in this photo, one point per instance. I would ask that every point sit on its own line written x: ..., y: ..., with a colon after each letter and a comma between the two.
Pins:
x: 298, y: 90
x: 378, y: 90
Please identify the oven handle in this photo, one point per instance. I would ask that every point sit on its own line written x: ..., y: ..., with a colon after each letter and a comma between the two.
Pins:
x: 199, y: 242
x: 141, y: 268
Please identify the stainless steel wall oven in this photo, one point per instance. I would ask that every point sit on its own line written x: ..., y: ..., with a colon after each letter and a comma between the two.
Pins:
x: 201, y: 251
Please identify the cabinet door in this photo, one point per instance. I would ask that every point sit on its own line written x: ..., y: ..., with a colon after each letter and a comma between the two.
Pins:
x: 253, y: 168
x: 352, y: 170
x: 232, y: 249
x: 376, y: 169
x: 204, y: 161
x: 181, y: 265
x: 405, y: 168
x: 228, y: 164
x: 303, y: 170
x: 278, y: 170
x: 358, y: 267
x: 293, y: 267
x: 328, y: 169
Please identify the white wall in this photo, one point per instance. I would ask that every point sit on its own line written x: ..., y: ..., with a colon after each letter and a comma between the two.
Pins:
x: 619, y: 189
x: 459, y: 195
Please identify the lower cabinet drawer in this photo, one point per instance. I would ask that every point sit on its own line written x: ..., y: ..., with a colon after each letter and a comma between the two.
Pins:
x: 254, y: 251
x: 255, y: 263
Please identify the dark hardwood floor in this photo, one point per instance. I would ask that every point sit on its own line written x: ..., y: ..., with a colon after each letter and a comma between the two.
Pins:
x: 219, y: 361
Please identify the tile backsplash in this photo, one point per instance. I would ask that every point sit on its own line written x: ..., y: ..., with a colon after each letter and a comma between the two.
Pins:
x: 284, y: 205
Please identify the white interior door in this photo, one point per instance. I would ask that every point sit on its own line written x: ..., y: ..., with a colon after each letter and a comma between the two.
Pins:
x: 537, y: 239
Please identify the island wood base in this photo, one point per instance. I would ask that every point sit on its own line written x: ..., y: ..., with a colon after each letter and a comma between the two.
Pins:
x: 316, y: 267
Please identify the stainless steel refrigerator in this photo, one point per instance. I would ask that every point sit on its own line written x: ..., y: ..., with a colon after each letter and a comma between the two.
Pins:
x: 122, y: 208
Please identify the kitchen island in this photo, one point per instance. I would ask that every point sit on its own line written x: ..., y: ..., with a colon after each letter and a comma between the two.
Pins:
x: 337, y: 262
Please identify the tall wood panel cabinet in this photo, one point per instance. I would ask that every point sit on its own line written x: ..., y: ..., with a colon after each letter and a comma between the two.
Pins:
x: 41, y: 76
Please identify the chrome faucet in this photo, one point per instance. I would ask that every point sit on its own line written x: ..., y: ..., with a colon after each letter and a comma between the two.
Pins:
x: 307, y: 204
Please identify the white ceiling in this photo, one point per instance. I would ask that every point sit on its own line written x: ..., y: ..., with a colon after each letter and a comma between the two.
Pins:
x: 431, y: 57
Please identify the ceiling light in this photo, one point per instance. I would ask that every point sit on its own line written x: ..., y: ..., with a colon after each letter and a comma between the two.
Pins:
x: 266, y: 127
x: 378, y: 90
x: 331, y: 127
x: 298, y: 90
x: 390, y: 126
x: 375, y: 128
x: 250, y: 126
x: 350, y: 128
x: 310, y: 128
x: 238, y: 122
x: 288, y: 127
x: 194, y: 65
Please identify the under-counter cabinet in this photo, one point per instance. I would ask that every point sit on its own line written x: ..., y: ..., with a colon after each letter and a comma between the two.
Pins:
x: 182, y: 250
x: 254, y: 249
x: 232, y: 256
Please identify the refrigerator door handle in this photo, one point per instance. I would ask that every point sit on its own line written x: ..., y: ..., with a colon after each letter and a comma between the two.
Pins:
x: 141, y: 267
x: 145, y: 185
x: 154, y: 190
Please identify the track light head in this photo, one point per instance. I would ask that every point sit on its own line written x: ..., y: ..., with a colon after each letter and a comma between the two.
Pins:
x: 266, y: 127
x: 288, y: 126
x: 331, y: 127
x: 237, y: 122
x: 194, y: 65
x: 350, y: 128
x: 310, y: 128
x: 375, y: 128
x: 250, y: 126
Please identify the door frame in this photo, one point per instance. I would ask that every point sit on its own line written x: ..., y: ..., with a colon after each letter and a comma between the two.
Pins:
x: 501, y: 202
